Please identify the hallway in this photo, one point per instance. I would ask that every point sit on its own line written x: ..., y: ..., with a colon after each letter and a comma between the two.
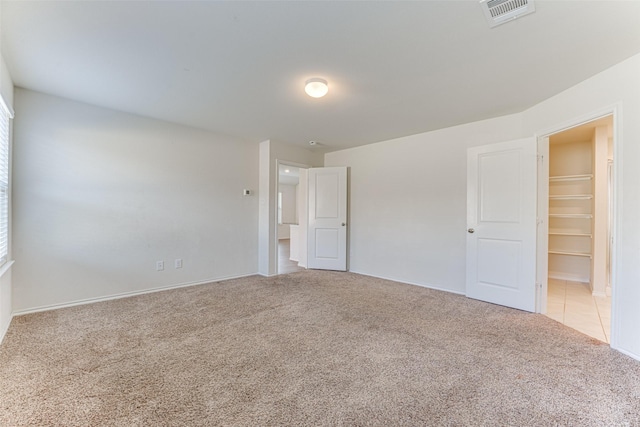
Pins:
x: 285, y: 265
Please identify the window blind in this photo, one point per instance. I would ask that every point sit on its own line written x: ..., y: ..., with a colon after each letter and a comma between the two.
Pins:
x: 5, y: 116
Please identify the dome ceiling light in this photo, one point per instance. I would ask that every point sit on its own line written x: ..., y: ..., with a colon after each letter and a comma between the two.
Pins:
x: 316, y: 87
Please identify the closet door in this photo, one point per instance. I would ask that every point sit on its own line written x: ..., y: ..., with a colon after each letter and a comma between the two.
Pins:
x: 501, y: 223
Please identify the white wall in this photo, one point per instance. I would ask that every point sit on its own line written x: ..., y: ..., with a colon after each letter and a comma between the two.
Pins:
x: 408, y: 202
x: 289, y: 210
x: 618, y: 86
x: 303, y: 216
x: 289, y: 204
x: 100, y: 196
x: 6, y: 89
x: 270, y: 153
x: 408, y: 195
x: 6, y: 84
x: 284, y: 232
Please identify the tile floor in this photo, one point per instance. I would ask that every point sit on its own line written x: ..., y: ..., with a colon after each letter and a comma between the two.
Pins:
x: 572, y: 304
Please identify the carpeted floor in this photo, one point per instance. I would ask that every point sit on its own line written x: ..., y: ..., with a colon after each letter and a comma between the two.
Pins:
x: 309, y: 348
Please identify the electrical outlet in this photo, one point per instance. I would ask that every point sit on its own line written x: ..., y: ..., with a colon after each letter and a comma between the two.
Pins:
x: 178, y: 263
x: 159, y: 265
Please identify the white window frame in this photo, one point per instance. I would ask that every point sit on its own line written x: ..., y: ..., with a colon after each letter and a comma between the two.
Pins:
x: 6, y: 114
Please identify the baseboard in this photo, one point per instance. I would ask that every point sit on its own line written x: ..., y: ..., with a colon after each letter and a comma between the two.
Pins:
x: 124, y: 295
x: 5, y: 327
x: 570, y: 277
x: 627, y: 353
x: 4, y: 330
x: 574, y: 278
x: 422, y: 285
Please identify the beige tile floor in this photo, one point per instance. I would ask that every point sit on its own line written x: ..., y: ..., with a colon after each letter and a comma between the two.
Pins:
x: 572, y: 304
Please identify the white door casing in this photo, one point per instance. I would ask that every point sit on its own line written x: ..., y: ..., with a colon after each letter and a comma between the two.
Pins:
x: 501, y: 223
x: 327, y: 235
x: 542, y: 243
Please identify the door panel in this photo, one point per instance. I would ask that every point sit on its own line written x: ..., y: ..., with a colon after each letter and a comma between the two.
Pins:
x: 326, y: 187
x: 327, y: 218
x: 501, y: 223
x: 326, y: 246
x: 499, y: 196
x: 498, y: 262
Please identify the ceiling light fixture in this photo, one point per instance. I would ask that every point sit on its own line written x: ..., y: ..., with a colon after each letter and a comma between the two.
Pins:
x: 287, y: 171
x: 316, y: 87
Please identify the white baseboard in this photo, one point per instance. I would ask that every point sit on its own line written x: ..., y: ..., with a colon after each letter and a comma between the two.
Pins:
x: 123, y: 295
x: 575, y: 278
x: 422, y: 285
x: 4, y: 330
x: 558, y: 275
x: 5, y: 327
x: 627, y: 353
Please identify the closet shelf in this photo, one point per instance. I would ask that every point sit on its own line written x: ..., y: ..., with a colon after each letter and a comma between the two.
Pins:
x: 576, y: 215
x: 557, y: 233
x: 571, y: 177
x: 570, y: 253
x: 572, y: 197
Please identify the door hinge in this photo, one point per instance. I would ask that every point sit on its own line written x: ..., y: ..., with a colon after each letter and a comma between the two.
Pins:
x: 540, y: 157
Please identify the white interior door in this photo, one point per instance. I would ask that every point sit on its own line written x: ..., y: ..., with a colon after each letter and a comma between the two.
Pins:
x: 501, y: 223
x: 327, y: 236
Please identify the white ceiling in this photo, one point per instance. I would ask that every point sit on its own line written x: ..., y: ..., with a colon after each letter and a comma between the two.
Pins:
x: 238, y: 68
x: 289, y: 175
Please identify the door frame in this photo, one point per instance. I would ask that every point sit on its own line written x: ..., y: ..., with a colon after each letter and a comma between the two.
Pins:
x: 543, y: 207
x: 280, y: 162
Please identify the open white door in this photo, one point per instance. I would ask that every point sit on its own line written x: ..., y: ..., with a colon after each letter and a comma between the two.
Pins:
x: 501, y: 223
x: 327, y: 235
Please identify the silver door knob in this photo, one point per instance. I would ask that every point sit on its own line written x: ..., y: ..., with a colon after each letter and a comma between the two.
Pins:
x: 343, y: 224
x: 471, y: 230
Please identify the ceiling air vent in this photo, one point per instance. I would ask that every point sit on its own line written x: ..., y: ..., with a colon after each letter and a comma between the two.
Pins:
x: 500, y: 11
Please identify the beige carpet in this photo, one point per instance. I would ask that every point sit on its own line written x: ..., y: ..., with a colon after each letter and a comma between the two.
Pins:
x: 309, y: 348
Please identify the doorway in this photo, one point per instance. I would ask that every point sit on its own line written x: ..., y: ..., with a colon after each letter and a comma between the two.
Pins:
x: 579, y: 234
x: 288, y: 218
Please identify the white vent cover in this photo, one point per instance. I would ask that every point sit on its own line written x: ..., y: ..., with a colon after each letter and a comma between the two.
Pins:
x: 500, y: 11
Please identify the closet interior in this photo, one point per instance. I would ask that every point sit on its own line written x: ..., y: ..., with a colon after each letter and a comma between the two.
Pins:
x: 580, y: 183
